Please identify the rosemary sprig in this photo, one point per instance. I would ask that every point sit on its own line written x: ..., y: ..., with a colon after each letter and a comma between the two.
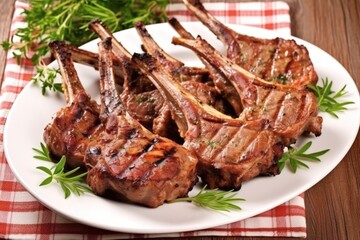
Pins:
x: 214, y: 199
x: 329, y: 100
x: 43, y: 153
x: 296, y: 157
x: 68, y: 181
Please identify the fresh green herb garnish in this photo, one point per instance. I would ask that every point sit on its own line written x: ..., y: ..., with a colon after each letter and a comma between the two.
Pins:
x: 328, y: 100
x: 44, y: 153
x: 46, y: 77
x: 297, y: 157
x: 69, y: 181
x: 214, y: 199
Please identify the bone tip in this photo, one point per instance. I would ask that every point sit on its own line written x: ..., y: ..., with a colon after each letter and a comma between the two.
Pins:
x: 95, y: 22
x: 56, y: 44
x: 139, y: 24
x: 106, y: 43
x: 59, y: 48
x: 173, y: 21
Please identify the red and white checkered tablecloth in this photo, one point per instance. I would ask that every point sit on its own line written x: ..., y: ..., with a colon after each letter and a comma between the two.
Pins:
x: 23, y: 217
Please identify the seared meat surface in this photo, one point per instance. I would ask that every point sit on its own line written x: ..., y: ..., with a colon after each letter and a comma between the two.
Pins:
x: 74, y: 126
x: 289, y: 111
x: 275, y: 60
x: 130, y: 161
x: 230, y: 151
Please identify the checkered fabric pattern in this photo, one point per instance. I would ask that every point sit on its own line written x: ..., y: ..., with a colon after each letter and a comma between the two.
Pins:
x: 23, y: 217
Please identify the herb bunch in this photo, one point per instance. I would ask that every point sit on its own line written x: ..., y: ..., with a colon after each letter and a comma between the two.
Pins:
x: 68, y: 20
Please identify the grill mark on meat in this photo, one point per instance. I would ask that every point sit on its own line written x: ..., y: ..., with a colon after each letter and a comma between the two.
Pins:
x: 270, y: 107
x: 167, y: 155
x: 228, y: 141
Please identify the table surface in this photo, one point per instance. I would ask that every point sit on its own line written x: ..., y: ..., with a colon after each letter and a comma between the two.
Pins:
x: 332, y: 205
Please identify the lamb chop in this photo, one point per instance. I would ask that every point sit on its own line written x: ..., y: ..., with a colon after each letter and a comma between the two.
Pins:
x: 275, y: 60
x: 230, y: 151
x: 74, y: 126
x: 130, y: 161
x: 289, y: 111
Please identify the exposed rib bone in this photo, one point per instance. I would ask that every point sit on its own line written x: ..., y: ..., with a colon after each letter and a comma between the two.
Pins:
x: 91, y: 59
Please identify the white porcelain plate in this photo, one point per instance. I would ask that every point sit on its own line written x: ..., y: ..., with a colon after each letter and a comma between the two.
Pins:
x: 31, y: 112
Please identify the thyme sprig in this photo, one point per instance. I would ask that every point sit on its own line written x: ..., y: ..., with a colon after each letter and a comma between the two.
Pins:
x: 214, y: 199
x: 328, y: 99
x: 297, y: 157
x: 69, y: 181
x: 46, y: 77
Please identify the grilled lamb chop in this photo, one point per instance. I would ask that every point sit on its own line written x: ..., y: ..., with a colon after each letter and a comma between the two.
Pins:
x: 127, y: 159
x: 230, y: 151
x: 75, y: 125
x: 276, y: 60
x: 289, y: 111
